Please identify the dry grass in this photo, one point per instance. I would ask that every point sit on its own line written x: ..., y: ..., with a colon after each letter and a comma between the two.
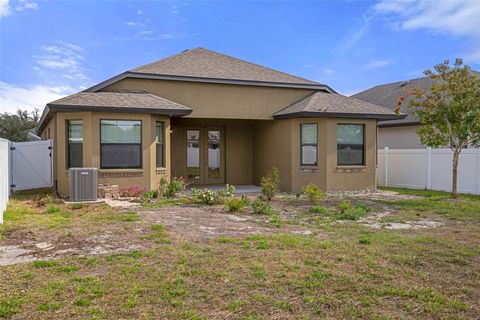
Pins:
x: 340, y: 271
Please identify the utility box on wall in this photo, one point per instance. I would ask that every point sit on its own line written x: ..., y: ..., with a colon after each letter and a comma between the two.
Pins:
x: 83, y: 184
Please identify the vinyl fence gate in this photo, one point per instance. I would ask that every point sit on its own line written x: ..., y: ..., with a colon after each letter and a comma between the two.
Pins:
x: 31, y: 165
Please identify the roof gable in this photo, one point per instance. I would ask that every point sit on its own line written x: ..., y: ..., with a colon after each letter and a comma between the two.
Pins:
x: 324, y: 104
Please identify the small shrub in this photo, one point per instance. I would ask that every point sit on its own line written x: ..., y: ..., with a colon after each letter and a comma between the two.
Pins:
x: 131, y: 191
x: 150, y: 194
x: 53, y: 209
x: 236, y: 204
x: 77, y: 206
x: 261, y: 207
x: 313, y: 193
x: 319, y: 209
x: 206, y: 196
x: 228, y: 191
x: 173, y: 187
x: 276, y: 221
x: 270, y: 183
x: 351, y: 213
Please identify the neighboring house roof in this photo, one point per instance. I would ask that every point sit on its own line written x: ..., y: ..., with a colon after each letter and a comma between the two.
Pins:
x: 202, y: 65
x: 120, y: 101
x: 387, y: 95
x: 323, y: 104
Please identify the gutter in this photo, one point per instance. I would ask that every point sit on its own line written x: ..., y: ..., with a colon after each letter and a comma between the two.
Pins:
x: 152, y: 76
x: 306, y: 114
x: 50, y: 109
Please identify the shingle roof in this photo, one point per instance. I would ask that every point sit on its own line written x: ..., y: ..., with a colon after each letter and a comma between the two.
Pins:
x: 113, y: 101
x: 323, y: 104
x: 121, y: 100
x: 387, y: 95
x: 203, y: 63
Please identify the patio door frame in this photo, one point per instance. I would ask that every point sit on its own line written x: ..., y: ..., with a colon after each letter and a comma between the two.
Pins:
x: 204, y: 178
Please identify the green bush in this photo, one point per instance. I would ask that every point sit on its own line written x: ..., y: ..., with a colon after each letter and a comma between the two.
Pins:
x: 150, y: 194
x: 53, y: 209
x: 236, y: 204
x: 261, y: 207
x: 313, y: 193
x: 228, y: 191
x: 270, y: 183
x: 319, y: 209
x: 348, y: 212
x: 174, y: 186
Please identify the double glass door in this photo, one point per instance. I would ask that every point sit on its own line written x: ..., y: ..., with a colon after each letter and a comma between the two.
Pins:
x: 206, y: 155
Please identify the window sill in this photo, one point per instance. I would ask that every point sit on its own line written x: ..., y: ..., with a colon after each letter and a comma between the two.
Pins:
x: 351, y: 169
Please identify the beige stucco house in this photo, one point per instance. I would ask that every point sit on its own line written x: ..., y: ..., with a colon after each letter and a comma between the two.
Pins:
x: 397, y: 133
x: 214, y: 119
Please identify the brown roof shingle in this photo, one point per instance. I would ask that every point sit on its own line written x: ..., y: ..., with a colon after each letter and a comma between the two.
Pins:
x: 324, y: 104
x: 121, y: 100
x: 203, y: 63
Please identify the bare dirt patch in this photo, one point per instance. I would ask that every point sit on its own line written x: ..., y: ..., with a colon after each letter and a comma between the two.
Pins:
x: 44, y: 244
x: 375, y: 220
x: 206, y: 222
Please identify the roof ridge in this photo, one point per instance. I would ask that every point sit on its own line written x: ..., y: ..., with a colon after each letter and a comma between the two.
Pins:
x: 156, y: 61
x: 309, y: 96
x: 256, y: 64
x: 136, y: 70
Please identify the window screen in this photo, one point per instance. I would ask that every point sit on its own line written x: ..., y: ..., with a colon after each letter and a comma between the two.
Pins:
x: 75, y: 144
x: 350, y: 144
x: 159, y: 144
x: 308, y: 136
x: 120, y: 144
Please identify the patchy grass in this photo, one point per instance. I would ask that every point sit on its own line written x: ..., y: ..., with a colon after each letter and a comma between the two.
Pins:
x: 343, y: 270
x: 463, y: 208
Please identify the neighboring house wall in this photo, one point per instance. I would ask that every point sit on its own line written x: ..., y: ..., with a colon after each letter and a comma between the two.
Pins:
x: 404, y: 137
x: 218, y: 100
x: 147, y: 177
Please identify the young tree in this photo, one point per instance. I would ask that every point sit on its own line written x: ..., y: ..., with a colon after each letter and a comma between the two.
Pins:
x: 14, y: 127
x: 450, y: 110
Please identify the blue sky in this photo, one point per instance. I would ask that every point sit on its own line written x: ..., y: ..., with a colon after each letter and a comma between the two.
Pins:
x: 49, y: 49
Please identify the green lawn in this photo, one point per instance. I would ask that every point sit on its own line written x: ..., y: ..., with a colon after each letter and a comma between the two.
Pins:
x: 342, y: 270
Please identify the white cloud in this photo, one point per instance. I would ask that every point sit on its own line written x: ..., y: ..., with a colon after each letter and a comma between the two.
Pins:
x: 13, y: 97
x: 355, y: 33
x: 451, y: 17
x: 457, y: 17
x: 5, y: 9
x: 329, y: 72
x: 378, y: 63
x: 151, y: 35
x: 23, y: 5
x: 64, y: 57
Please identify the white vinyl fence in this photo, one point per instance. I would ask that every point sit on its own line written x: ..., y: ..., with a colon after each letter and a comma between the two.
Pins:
x: 4, y: 174
x: 428, y: 169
